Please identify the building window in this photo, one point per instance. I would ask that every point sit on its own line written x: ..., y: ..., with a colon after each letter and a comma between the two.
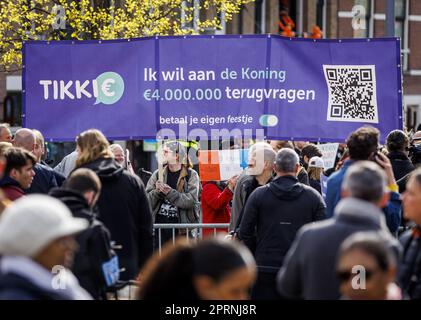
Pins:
x: 411, y: 117
x: 12, y: 109
x: 402, y: 27
x: 240, y: 20
x: 259, y: 16
x: 321, y: 15
x: 221, y: 18
x: 400, y: 13
x: 287, y: 18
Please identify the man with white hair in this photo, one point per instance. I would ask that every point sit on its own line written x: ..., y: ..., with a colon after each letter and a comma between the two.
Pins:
x: 272, y: 216
x: 36, y: 247
x: 120, y: 157
x: 258, y: 173
x: 5, y: 133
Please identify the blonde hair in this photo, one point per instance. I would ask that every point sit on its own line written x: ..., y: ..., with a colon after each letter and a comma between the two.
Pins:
x: 4, y: 146
x: 38, y: 136
x: 315, y: 173
x: 92, y: 146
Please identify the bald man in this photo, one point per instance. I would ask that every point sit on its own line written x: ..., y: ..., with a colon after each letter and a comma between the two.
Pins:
x: 44, y: 179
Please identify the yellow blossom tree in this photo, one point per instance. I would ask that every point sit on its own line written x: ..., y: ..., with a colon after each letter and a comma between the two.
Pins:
x: 22, y: 20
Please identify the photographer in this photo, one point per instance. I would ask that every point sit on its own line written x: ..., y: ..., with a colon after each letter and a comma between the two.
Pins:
x: 415, y: 156
x: 397, y: 144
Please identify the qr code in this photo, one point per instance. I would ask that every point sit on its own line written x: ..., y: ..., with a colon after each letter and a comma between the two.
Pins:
x: 352, y: 93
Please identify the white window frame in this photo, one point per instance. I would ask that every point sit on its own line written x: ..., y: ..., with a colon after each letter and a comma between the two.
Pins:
x: 405, y: 39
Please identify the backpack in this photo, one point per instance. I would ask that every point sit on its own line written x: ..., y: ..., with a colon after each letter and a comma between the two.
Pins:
x: 96, y: 263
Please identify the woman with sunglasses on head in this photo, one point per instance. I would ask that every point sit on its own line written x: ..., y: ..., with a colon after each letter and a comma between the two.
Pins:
x: 176, y: 198
x: 366, y: 268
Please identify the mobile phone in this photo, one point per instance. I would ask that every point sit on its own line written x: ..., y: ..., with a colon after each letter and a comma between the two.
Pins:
x: 127, y: 163
x: 375, y: 156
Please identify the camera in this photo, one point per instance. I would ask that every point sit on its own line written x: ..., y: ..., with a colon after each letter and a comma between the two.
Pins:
x: 415, y: 153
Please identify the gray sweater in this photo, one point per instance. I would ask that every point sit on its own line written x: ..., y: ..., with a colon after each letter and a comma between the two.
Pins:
x: 187, y: 202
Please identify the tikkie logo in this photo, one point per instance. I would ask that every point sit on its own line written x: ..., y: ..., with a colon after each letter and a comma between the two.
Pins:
x: 107, y: 88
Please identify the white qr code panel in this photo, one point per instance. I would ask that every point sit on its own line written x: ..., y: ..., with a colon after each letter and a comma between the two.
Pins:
x: 352, y: 93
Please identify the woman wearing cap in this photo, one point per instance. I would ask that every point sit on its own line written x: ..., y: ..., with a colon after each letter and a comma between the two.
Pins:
x: 176, y: 198
x: 315, y: 171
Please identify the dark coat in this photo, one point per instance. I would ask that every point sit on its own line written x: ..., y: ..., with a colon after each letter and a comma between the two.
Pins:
x: 309, y: 268
x: 401, y: 164
x: 59, y: 177
x: 303, y: 176
x: 249, y: 186
x: 316, y: 185
x: 125, y: 211
x: 11, y: 188
x: 94, y: 244
x: 277, y: 210
x: 409, y: 271
x: 44, y: 180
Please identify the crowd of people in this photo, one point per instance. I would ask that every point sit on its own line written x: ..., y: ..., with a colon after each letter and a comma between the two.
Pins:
x: 86, y: 226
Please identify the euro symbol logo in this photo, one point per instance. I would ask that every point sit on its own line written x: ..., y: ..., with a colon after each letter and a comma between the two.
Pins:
x: 106, y: 86
x: 111, y: 88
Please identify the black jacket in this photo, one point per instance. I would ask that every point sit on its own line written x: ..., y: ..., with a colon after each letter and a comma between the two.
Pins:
x: 309, y: 268
x: 59, y: 177
x: 303, y: 176
x: 316, y: 185
x: 124, y: 209
x: 94, y: 244
x: 276, y: 211
x: 44, y: 180
x: 249, y: 186
x: 401, y: 164
x: 409, y: 271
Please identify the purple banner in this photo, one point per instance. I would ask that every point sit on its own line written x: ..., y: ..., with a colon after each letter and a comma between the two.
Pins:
x: 301, y: 89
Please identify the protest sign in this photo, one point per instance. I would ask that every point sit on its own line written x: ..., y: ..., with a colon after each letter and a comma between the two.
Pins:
x: 329, y: 151
x: 220, y: 165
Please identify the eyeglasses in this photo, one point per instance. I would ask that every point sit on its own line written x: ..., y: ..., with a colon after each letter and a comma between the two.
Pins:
x: 346, y: 275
